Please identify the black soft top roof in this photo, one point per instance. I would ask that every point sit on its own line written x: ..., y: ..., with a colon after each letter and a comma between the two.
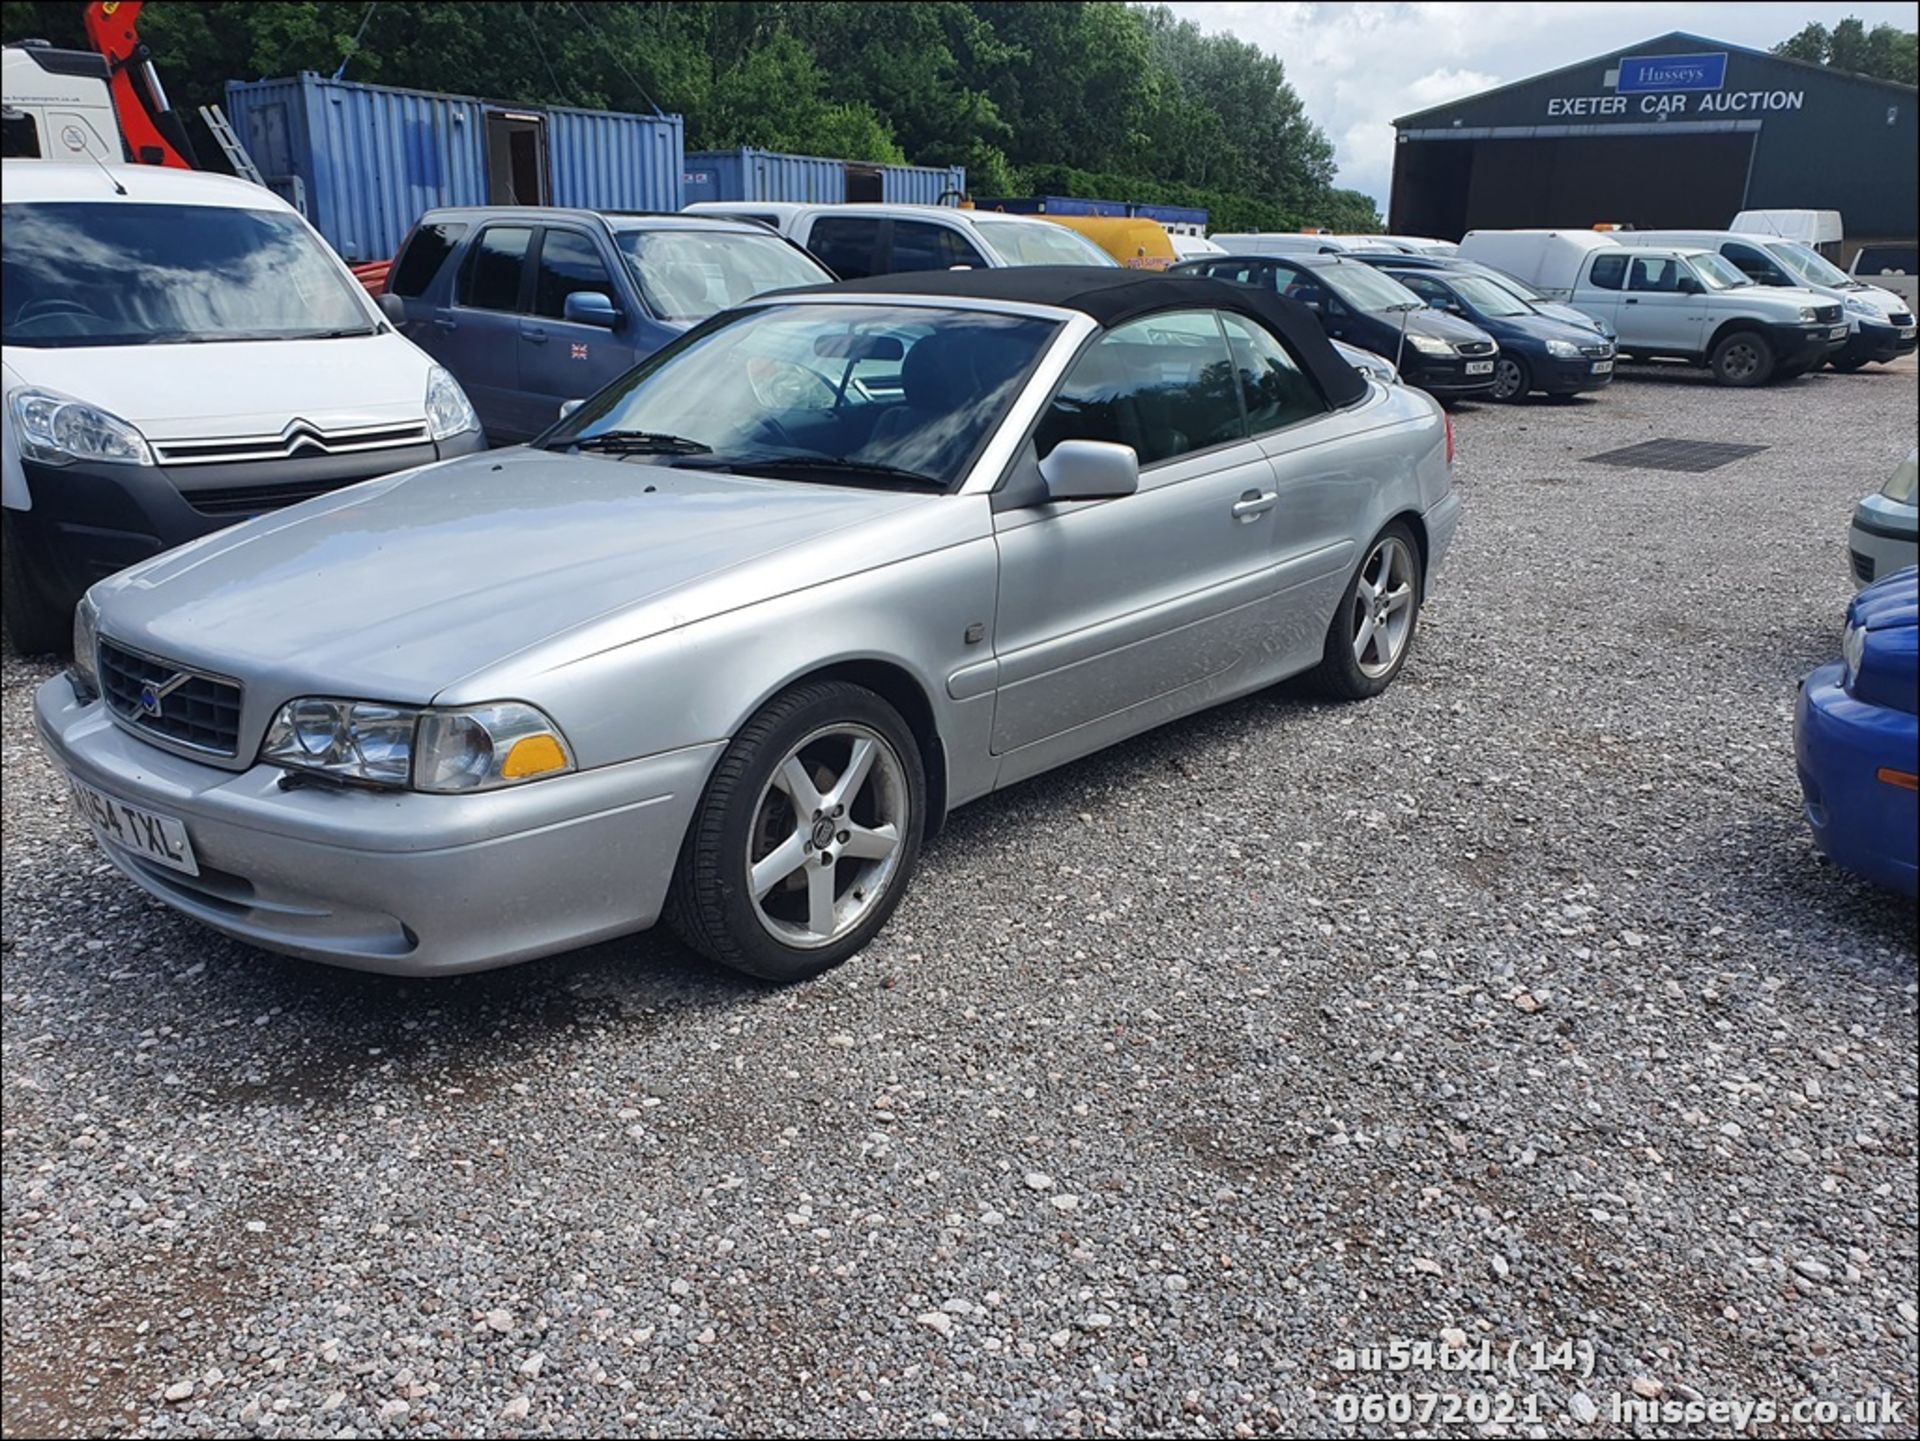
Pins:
x: 1113, y: 296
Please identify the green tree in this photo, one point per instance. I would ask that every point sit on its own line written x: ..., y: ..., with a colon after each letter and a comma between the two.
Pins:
x: 1886, y: 52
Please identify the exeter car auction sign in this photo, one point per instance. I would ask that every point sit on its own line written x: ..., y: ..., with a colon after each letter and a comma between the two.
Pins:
x: 1671, y: 85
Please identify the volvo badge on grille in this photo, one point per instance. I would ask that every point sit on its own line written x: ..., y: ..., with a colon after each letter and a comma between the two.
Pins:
x: 152, y: 696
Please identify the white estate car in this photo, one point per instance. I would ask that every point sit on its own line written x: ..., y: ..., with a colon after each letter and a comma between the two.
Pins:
x: 856, y: 241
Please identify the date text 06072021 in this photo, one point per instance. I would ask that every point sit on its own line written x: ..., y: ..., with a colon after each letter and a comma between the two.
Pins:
x: 1514, y: 1358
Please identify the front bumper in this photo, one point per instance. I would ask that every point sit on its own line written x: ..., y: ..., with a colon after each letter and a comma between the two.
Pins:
x: 1805, y: 346
x: 1568, y: 377
x: 1438, y: 375
x: 88, y: 521
x: 1885, y: 537
x: 397, y: 882
x: 1863, y: 823
x: 1870, y: 342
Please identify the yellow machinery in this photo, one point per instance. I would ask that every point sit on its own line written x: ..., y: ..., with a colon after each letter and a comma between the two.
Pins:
x: 1136, y: 243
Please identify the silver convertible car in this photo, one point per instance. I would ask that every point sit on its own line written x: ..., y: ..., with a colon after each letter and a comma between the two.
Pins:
x: 726, y: 644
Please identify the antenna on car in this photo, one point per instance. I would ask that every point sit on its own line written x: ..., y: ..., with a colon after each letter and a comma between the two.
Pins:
x: 112, y: 179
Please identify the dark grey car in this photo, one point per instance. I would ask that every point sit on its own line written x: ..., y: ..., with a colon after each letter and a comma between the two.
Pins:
x: 532, y: 306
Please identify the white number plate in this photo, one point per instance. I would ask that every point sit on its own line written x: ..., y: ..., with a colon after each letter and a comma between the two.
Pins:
x: 1906, y: 332
x: 1839, y: 332
x: 1479, y: 367
x: 157, y: 838
x: 1603, y: 367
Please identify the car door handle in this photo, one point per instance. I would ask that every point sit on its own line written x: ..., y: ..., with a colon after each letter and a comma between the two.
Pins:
x: 533, y: 333
x: 1253, y: 503
x: 1631, y: 301
x: 445, y: 322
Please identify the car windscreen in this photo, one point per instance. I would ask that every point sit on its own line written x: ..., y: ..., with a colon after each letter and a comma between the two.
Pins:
x: 1488, y: 297
x: 1021, y: 242
x: 687, y: 275
x: 1810, y: 265
x: 1717, y: 273
x: 1363, y: 287
x: 820, y: 391
x: 96, y: 273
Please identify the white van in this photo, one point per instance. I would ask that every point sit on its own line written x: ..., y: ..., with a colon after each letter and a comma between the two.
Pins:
x: 181, y: 351
x: 1673, y: 302
x: 57, y: 105
x: 1879, y: 323
x: 1817, y: 229
x: 855, y: 241
x: 1278, y: 242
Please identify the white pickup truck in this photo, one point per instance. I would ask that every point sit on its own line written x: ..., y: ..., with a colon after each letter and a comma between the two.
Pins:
x: 1673, y: 303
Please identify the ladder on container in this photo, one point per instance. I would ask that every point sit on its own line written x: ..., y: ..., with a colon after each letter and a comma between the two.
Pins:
x: 230, y: 146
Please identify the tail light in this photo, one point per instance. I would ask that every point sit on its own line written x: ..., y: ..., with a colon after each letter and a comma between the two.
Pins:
x: 1447, y: 416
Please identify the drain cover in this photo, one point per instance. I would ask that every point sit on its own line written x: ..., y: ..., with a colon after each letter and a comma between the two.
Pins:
x: 1691, y: 456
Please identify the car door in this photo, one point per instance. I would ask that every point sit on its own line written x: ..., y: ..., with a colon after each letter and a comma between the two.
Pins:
x: 560, y: 359
x: 930, y: 245
x: 848, y: 245
x: 1600, y: 293
x: 418, y: 284
x: 482, y: 328
x: 1108, y: 606
x: 1671, y: 318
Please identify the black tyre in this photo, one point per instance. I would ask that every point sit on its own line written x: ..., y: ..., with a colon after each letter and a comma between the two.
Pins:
x: 1742, y: 359
x: 1372, y: 630
x: 806, y: 837
x: 35, y: 624
x: 1511, y: 380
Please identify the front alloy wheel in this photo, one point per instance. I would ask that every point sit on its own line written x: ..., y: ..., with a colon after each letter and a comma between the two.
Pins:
x: 1372, y: 630
x: 806, y: 836
x: 1509, y: 379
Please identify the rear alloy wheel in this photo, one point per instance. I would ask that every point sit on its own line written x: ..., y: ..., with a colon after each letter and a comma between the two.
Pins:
x: 1743, y: 359
x: 1372, y: 630
x: 1510, y: 379
x: 806, y: 836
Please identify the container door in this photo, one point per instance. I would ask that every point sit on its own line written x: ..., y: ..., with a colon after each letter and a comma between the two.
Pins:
x: 561, y: 359
x: 481, y: 330
x: 865, y: 184
x: 516, y: 158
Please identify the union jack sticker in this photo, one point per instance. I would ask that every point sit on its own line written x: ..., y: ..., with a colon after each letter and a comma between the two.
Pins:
x: 579, y: 352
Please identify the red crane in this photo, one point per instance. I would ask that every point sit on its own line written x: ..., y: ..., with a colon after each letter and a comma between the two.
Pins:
x: 153, y: 130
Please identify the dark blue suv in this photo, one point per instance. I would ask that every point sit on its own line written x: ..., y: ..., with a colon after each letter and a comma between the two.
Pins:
x: 531, y: 307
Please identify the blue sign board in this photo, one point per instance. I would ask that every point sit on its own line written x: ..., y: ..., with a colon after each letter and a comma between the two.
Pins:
x: 1640, y: 74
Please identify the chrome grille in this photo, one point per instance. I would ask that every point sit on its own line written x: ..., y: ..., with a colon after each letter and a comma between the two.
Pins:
x: 1475, y: 347
x: 1901, y: 318
x: 159, y: 699
x: 298, y: 438
x: 1826, y: 314
x: 1599, y: 351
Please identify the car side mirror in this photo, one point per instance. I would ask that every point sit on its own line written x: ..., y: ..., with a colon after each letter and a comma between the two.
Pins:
x: 394, y: 308
x: 567, y: 407
x: 590, y: 307
x: 1090, y: 470
x: 1690, y: 285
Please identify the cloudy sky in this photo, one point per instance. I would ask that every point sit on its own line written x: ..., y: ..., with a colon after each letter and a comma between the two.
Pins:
x: 1358, y: 65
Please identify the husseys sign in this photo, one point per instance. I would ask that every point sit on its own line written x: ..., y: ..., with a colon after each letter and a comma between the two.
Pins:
x: 1665, y: 85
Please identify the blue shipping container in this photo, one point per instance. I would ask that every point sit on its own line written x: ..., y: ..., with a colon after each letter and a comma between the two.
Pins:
x: 1057, y: 205
x: 921, y: 184
x: 1171, y: 214
x: 369, y: 159
x: 749, y: 174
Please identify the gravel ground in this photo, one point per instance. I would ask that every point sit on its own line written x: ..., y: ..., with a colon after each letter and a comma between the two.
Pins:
x: 1515, y: 1003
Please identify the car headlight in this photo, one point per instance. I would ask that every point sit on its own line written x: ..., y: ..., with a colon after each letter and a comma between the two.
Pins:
x: 1905, y: 482
x: 449, y: 412
x: 1854, y: 305
x: 1563, y: 350
x: 85, y: 670
x: 473, y: 748
x: 58, y: 430
x: 1853, y: 650
x: 1429, y: 345
x: 1808, y: 313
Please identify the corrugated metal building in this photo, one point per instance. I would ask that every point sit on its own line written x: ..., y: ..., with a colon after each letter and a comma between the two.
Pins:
x: 1678, y: 132
x: 364, y: 161
x: 750, y: 174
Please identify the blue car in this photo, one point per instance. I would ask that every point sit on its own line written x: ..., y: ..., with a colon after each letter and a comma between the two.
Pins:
x: 1537, y: 352
x: 533, y: 306
x: 1857, y: 740
x: 1546, y: 305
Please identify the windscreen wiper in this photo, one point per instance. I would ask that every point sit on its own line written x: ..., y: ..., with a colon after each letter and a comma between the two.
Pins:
x: 826, y: 467
x: 639, y: 442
